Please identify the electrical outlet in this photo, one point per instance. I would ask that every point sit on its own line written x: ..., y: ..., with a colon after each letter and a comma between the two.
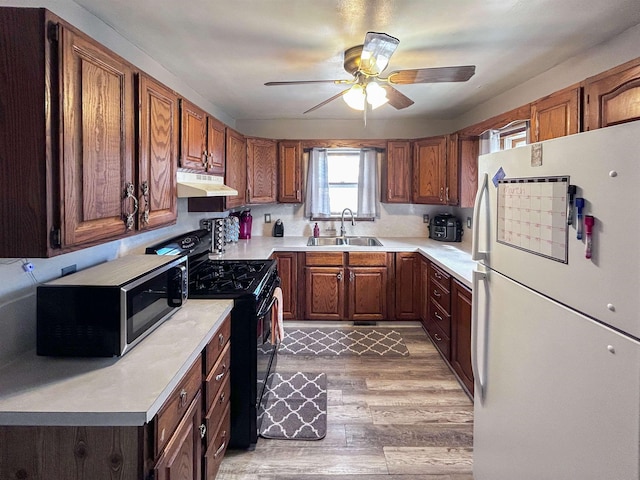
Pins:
x: 425, y: 218
x: 468, y: 222
x: 267, y: 218
x: 28, y: 267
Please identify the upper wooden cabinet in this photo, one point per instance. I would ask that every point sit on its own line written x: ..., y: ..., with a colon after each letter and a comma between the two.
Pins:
x: 194, y: 137
x: 396, y: 173
x: 216, y: 147
x: 613, y: 97
x: 468, y: 151
x: 289, y: 171
x: 556, y: 115
x: 157, y: 153
x: 262, y: 178
x: 236, y: 168
x: 429, y: 170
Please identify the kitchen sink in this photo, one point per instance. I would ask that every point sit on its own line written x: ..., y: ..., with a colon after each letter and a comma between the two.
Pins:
x: 333, y: 241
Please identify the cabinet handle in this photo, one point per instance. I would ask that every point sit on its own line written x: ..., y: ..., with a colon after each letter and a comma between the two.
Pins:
x: 248, y: 195
x: 205, y: 157
x: 441, y: 193
x: 436, y: 294
x: 437, y: 315
x: 221, y: 375
x: 144, y: 217
x: 437, y: 275
x: 437, y: 337
x: 221, y: 339
x: 339, y: 276
x: 183, y: 398
x: 129, y: 191
x: 222, y: 398
x: 221, y: 449
x: 447, y: 194
x: 203, y: 430
x: 351, y: 276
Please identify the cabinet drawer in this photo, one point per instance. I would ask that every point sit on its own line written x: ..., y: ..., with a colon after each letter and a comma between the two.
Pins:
x: 440, y: 339
x: 177, y: 404
x: 217, y: 447
x: 440, y: 317
x: 216, y: 344
x: 324, y: 259
x: 440, y: 295
x: 368, y: 259
x: 218, y: 375
x: 440, y: 276
x: 216, y: 410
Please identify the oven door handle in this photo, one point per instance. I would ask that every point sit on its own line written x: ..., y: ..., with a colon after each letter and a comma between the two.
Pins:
x: 266, y: 310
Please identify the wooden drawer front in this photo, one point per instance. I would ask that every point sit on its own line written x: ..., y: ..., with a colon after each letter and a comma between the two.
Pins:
x: 440, y: 276
x: 439, y: 294
x: 217, y: 447
x: 324, y: 258
x: 218, y: 375
x: 177, y: 404
x: 440, y: 318
x: 368, y: 259
x: 217, y: 343
x: 216, y: 410
x: 440, y: 339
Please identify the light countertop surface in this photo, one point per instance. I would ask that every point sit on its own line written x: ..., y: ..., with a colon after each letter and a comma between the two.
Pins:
x: 454, y: 257
x: 124, y: 391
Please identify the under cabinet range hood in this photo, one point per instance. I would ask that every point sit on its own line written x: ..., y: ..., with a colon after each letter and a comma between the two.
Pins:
x: 192, y: 184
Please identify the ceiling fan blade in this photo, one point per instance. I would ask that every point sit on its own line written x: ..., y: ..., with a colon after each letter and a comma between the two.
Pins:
x: 432, y: 75
x: 376, y: 52
x: 397, y: 99
x: 303, y: 82
x: 327, y: 101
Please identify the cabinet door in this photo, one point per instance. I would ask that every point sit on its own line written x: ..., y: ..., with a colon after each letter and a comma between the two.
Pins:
x: 289, y: 172
x: 158, y: 153
x: 461, y: 333
x: 98, y: 136
x: 424, y: 290
x: 468, y: 151
x: 236, y: 168
x: 556, y: 115
x: 182, y: 457
x: 429, y: 167
x: 215, y: 146
x: 325, y: 293
x: 452, y: 183
x: 194, y: 137
x: 288, y: 271
x: 396, y: 174
x: 262, y: 170
x: 367, y: 293
x: 613, y: 97
x: 407, y: 286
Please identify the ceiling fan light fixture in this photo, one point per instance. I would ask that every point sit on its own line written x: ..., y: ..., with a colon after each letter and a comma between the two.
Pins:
x: 376, y: 95
x: 355, y: 97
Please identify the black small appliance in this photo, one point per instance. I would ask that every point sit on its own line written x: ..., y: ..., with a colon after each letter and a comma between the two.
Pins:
x: 445, y: 228
x: 278, y: 229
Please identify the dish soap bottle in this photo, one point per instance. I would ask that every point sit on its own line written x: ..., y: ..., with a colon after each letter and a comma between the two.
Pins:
x: 316, y: 230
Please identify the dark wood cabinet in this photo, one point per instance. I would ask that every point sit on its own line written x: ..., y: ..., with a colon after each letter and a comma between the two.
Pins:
x: 407, y: 282
x: 325, y: 293
x: 262, y: 170
x: 236, y: 168
x: 438, y: 315
x: 216, y: 146
x: 290, y: 171
x: 468, y: 152
x: 613, y: 97
x: 158, y: 123
x: 556, y: 115
x: 288, y: 272
x: 452, y: 171
x: 193, y: 154
x: 367, y: 274
x: 461, y: 333
x: 396, y: 173
x: 429, y: 170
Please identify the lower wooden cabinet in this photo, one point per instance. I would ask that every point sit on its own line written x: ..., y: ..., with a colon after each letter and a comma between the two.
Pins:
x: 407, y: 286
x: 288, y: 272
x: 461, y: 333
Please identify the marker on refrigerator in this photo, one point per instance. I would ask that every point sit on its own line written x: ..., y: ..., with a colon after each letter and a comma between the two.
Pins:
x: 579, y: 206
x: 572, y: 193
x: 588, y: 228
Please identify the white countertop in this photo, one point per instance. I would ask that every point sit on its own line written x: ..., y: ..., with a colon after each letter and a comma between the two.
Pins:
x: 124, y: 391
x: 454, y: 258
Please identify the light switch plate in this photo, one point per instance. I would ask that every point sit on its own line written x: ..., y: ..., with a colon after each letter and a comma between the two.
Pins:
x: 267, y: 218
x: 425, y: 218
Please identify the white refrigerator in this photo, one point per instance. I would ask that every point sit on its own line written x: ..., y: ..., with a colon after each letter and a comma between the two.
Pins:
x: 555, y: 335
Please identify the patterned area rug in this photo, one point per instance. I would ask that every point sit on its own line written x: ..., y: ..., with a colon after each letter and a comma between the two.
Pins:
x: 295, y: 407
x: 352, y: 341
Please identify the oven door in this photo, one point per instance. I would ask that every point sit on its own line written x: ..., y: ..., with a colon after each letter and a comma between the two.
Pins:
x: 267, y: 357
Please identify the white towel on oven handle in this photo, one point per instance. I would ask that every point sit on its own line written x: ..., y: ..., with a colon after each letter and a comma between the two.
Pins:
x: 277, y: 322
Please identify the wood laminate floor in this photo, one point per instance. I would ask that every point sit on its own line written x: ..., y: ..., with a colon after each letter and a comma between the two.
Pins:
x: 388, y: 418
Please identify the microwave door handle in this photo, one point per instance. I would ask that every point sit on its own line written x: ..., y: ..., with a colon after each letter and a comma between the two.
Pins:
x: 175, y: 290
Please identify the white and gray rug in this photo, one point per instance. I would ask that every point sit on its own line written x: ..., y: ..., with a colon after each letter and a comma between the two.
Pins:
x: 342, y: 341
x: 294, y: 406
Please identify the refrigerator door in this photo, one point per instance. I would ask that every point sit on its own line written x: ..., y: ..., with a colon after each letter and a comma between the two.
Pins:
x: 561, y: 392
x: 604, y: 164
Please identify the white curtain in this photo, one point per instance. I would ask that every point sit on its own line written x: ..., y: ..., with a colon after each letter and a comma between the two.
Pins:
x: 317, y: 192
x: 368, y: 205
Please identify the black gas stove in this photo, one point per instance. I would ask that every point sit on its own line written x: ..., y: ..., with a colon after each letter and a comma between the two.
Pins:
x: 251, y: 285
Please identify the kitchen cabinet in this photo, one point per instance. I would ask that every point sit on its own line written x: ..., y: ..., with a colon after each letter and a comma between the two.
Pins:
x: 288, y: 272
x: 262, y: 170
x: 438, y: 298
x: 468, y: 152
x: 236, y: 168
x: 157, y: 153
x: 407, y: 291
x: 216, y: 146
x: 203, y: 140
x: 436, y: 170
x: 461, y: 333
x: 613, y: 97
x: 346, y: 286
x: 556, y: 115
x: 396, y: 173
x: 289, y: 171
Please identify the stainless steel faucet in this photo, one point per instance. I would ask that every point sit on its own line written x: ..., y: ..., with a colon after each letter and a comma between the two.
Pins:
x: 343, y: 231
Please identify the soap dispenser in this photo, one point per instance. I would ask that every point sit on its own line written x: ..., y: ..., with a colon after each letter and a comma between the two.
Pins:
x: 316, y: 230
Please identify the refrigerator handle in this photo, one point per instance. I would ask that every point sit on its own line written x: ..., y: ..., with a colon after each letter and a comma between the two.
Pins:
x: 476, y: 254
x: 479, y: 382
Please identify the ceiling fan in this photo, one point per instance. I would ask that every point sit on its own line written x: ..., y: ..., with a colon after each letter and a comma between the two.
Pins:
x: 368, y: 89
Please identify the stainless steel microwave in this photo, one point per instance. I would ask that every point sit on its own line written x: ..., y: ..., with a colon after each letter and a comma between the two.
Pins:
x: 105, y: 310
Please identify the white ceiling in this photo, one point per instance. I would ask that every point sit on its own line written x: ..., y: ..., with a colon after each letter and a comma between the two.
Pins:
x: 227, y: 49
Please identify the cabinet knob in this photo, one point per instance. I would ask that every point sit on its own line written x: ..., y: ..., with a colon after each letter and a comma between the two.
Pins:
x: 183, y: 398
x: 221, y: 339
x: 203, y: 430
x: 339, y: 276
